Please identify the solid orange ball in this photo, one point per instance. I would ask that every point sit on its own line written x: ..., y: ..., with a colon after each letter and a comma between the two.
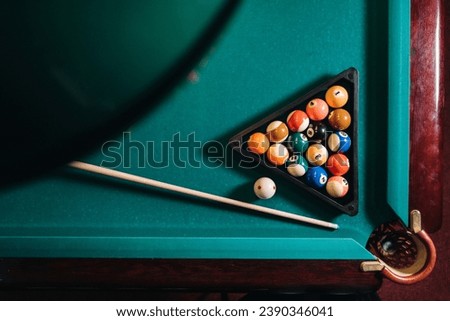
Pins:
x: 317, y: 109
x: 340, y: 119
x: 336, y: 96
x: 258, y: 143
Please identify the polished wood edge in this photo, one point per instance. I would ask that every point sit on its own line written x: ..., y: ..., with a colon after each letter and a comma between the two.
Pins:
x: 426, y: 97
x: 223, y: 275
x: 427, y: 106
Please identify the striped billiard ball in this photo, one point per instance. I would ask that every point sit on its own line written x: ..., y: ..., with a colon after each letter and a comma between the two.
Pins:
x: 339, y: 142
x: 297, y: 165
x: 277, y: 154
x: 338, y: 164
x: 277, y: 131
x: 297, y: 121
x: 337, y: 186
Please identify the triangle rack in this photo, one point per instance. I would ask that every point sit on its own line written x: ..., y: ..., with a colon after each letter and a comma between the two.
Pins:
x: 312, y: 142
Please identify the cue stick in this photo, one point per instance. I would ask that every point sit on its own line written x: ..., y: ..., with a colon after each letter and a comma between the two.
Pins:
x: 183, y: 190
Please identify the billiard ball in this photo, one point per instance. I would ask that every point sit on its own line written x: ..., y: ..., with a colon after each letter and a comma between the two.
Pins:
x: 316, y: 132
x: 298, y: 142
x: 338, y: 164
x: 277, y: 131
x: 316, y: 177
x: 339, y: 142
x: 336, y: 96
x: 264, y: 188
x: 277, y: 154
x: 317, y: 154
x: 297, y: 121
x: 258, y: 143
x: 317, y: 109
x: 337, y: 186
x: 297, y: 165
x: 340, y: 119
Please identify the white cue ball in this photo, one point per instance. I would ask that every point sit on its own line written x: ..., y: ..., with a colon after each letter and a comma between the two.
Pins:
x: 264, y: 188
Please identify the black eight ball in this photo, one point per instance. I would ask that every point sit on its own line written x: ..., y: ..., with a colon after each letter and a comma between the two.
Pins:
x: 316, y: 132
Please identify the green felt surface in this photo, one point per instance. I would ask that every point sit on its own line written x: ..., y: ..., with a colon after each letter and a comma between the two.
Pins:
x: 74, y: 68
x: 269, y: 52
x: 68, y: 48
x: 399, y: 42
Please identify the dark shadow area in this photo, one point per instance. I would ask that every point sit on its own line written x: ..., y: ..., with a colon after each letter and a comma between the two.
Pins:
x: 309, y: 296
x: 55, y: 135
x: 376, y: 119
x: 50, y: 294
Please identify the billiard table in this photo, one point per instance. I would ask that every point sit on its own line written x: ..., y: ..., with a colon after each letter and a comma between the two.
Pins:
x: 71, y: 229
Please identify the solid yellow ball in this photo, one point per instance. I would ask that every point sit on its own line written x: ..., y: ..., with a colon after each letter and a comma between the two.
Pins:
x: 336, y: 96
